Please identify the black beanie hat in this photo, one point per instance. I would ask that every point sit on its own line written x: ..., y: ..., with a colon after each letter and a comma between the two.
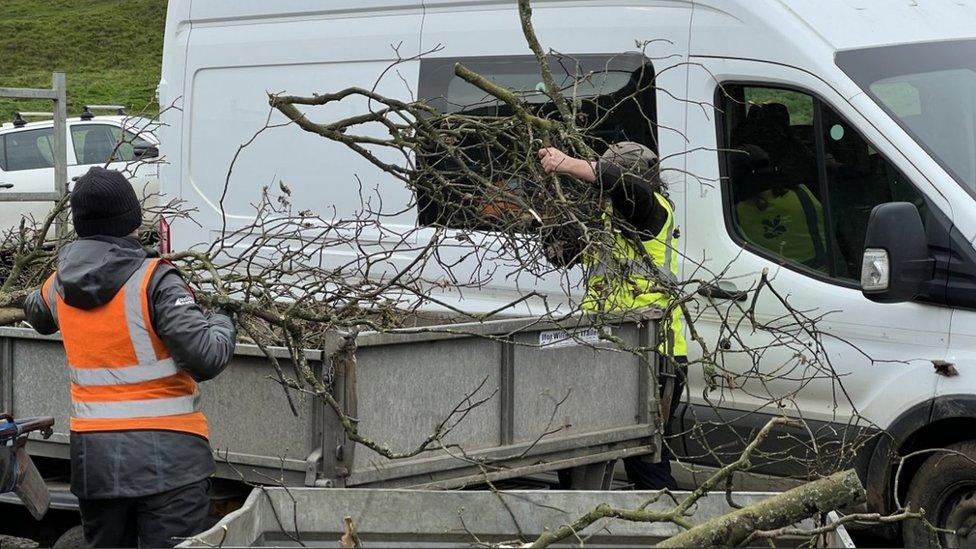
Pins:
x: 104, y: 203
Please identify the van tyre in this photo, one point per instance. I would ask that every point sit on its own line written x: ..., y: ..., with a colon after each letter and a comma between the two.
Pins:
x: 945, y: 487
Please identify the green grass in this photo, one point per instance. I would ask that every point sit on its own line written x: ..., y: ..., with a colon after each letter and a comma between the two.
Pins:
x: 111, y: 51
x: 799, y: 104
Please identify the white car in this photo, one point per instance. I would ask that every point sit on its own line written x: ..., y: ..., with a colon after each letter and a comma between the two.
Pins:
x: 27, y: 159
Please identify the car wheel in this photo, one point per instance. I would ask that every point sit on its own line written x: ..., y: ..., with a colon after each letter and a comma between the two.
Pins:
x: 945, y: 488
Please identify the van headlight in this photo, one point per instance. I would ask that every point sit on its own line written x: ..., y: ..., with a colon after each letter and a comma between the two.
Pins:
x: 875, y: 270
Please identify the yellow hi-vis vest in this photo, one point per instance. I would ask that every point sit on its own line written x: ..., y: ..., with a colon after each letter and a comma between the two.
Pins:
x: 123, y: 378
x: 633, y: 287
x: 788, y: 224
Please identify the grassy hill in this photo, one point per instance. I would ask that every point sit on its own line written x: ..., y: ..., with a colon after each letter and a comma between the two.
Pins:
x: 110, y: 50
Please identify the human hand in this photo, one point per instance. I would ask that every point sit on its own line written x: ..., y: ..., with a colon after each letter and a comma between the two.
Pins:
x: 555, y: 160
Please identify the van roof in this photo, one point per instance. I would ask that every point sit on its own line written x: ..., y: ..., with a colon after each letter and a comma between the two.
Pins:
x: 848, y: 24
x: 840, y: 24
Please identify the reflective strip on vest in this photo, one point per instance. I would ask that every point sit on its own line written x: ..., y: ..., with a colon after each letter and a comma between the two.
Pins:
x: 636, y: 267
x: 669, y: 266
x: 138, y: 331
x: 130, y: 374
x: 157, y: 407
x: 52, y: 298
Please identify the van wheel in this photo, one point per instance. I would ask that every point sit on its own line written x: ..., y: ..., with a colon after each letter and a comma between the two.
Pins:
x: 945, y: 487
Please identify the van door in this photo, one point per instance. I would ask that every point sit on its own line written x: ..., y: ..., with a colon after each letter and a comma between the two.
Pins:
x: 800, y: 171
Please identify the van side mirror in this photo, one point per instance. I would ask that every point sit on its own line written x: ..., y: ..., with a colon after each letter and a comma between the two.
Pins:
x: 143, y: 153
x: 896, y: 259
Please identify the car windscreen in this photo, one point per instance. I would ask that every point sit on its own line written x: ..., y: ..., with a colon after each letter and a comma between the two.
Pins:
x: 930, y: 90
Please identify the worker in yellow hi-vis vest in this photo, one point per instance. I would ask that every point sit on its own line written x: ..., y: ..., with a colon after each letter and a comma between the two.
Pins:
x: 643, y: 258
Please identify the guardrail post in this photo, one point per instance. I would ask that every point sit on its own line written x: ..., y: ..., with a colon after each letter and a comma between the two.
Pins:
x: 60, y: 147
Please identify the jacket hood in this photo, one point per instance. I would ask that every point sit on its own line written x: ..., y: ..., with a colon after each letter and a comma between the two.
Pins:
x: 92, y: 270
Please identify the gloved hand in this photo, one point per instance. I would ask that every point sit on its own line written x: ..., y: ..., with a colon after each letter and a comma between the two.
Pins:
x: 226, y: 311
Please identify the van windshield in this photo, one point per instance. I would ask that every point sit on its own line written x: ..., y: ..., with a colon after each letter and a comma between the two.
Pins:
x: 930, y: 90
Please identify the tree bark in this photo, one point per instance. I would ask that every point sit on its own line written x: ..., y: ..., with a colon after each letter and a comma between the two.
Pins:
x: 10, y: 315
x: 820, y: 496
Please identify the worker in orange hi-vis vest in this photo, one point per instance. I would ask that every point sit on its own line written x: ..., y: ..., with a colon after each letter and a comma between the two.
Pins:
x: 137, y: 344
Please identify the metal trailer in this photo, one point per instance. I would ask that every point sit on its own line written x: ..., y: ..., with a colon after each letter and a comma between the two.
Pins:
x: 597, y: 402
x: 402, y: 518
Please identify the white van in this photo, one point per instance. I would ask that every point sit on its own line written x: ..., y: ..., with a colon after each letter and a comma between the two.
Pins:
x: 27, y: 158
x: 856, y: 103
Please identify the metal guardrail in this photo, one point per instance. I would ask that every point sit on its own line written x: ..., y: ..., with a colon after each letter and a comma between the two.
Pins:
x: 58, y: 95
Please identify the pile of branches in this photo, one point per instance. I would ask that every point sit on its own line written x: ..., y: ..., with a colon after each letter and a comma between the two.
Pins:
x: 476, y: 165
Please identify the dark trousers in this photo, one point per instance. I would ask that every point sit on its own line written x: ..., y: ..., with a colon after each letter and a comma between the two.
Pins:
x: 655, y: 476
x: 157, y: 520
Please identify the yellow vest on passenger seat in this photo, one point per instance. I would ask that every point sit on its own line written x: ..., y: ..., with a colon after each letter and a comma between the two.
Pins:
x: 789, y: 224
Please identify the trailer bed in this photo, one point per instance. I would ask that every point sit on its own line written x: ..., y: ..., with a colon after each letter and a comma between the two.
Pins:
x: 555, y: 395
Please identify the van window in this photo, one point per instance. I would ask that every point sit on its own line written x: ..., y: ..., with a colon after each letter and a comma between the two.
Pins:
x: 801, y: 182
x: 3, y: 153
x: 29, y: 150
x: 616, y: 101
x: 97, y: 143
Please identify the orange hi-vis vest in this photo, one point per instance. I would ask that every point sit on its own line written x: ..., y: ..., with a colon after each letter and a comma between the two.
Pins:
x: 123, y: 377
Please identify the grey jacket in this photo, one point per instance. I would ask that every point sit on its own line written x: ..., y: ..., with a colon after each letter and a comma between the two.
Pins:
x: 138, y: 463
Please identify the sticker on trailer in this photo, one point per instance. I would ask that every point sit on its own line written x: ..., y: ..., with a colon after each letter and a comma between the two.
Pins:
x: 553, y: 339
